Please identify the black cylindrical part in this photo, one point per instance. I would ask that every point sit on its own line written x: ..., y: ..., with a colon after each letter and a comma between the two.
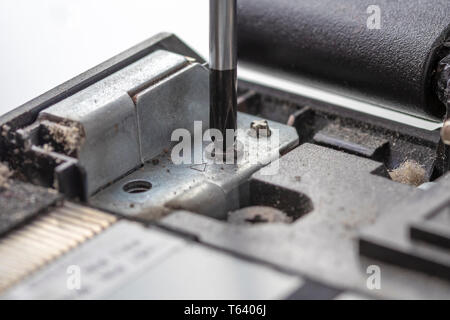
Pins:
x: 223, y: 112
x: 383, y: 51
x: 223, y: 65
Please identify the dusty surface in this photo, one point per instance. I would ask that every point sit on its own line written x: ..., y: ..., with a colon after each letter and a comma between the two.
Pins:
x: 345, y: 197
x: 20, y: 201
x: 5, y: 174
x: 409, y: 172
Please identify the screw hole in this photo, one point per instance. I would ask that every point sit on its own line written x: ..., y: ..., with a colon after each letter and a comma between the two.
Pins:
x: 138, y: 186
x: 257, y: 219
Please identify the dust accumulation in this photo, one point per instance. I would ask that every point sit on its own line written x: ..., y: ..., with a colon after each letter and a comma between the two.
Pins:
x: 68, y: 135
x: 409, y: 172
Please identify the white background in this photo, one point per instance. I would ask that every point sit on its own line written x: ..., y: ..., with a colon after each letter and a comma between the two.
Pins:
x: 46, y: 42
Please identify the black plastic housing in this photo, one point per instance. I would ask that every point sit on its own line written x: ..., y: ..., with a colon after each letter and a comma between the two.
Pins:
x: 329, y: 41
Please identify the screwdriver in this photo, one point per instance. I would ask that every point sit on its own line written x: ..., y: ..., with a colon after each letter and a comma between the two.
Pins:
x: 223, y: 66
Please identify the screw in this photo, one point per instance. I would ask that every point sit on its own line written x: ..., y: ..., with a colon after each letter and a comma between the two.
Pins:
x: 260, y: 128
x: 445, y: 132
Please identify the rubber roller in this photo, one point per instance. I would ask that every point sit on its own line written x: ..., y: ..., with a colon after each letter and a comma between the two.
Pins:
x: 383, y: 51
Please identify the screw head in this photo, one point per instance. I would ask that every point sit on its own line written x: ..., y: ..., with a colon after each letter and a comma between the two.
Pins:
x: 260, y: 128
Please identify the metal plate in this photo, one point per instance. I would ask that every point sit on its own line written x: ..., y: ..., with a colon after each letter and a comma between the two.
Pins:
x: 169, y: 180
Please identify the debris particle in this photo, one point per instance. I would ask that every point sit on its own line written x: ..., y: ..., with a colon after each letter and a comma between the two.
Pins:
x: 5, y: 174
x: 5, y: 130
x: 47, y: 148
x: 155, y: 162
x: 409, y: 172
